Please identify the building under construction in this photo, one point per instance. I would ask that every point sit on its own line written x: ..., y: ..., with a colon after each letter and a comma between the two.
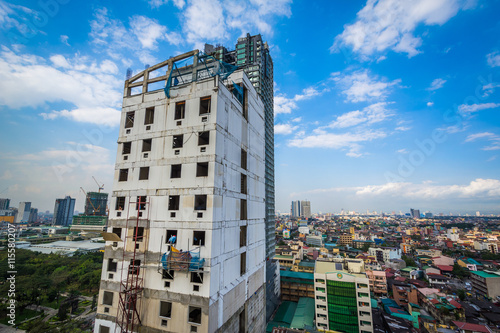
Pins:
x: 186, y: 242
x: 95, y: 218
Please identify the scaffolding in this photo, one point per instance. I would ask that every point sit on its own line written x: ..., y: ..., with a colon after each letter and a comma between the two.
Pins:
x: 196, y: 67
x: 132, y: 275
x: 176, y: 260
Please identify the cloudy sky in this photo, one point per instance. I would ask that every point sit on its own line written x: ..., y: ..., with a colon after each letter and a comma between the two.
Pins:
x: 381, y: 105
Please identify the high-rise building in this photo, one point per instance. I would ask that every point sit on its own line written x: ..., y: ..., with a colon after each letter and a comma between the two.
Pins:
x: 63, y: 211
x: 187, y: 252
x: 252, y: 55
x: 342, y: 296
x: 295, y: 210
x: 305, y: 208
x: 4, y: 204
x: 33, y: 217
x: 23, y: 212
x: 415, y: 213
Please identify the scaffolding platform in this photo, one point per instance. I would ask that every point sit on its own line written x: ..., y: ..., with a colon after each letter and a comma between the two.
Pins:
x: 182, y: 260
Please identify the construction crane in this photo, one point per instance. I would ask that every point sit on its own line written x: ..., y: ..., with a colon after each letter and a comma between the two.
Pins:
x: 90, y: 201
x: 101, y: 187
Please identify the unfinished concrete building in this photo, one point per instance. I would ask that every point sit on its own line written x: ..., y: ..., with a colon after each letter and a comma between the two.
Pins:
x: 186, y: 246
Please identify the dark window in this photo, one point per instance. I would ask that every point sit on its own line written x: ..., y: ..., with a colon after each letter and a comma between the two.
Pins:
x: 243, y: 209
x: 134, y: 268
x: 175, y: 171
x: 150, y: 116
x: 203, y: 138
x: 123, y: 175
x: 202, y: 169
x: 143, y: 173
x: 127, y: 147
x: 243, y: 263
x: 200, y: 202
x: 120, y: 203
x: 196, y: 277
x: 199, y: 238
x: 243, y: 184
x: 243, y: 235
x: 168, y: 275
x: 205, y: 105
x: 173, y: 202
x: 180, y: 110
x: 194, y: 315
x: 242, y: 322
x: 171, y: 237
x: 118, y: 231
x: 129, y: 121
x: 107, y: 298
x: 244, y: 159
x: 165, y: 309
x: 138, y: 233
x: 141, y: 203
x: 112, y: 265
x: 146, y: 144
x: 177, y: 141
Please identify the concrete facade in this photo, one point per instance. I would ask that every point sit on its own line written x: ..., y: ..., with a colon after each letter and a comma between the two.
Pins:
x: 216, y: 196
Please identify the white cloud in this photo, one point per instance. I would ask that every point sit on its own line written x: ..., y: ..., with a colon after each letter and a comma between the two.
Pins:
x: 243, y: 16
x: 91, y: 87
x: 283, y: 104
x: 362, y: 86
x: 111, y: 36
x: 297, y: 120
x: 6, y: 175
x: 64, y: 39
x: 284, y: 129
x: 430, y: 104
x: 403, y: 128
x: 391, y: 24
x: 468, y: 108
x: 149, y: 32
x: 158, y: 3
x: 490, y: 88
x: 437, y: 84
x: 493, y: 59
x: 492, y: 138
x: 426, y: 191
x: 369, y: 115
x: 349, y: 141
x: 402, y: 151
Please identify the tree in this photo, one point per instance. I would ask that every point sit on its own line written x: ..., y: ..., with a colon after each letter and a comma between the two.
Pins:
x: 461, y: 294
x: 366, y: 246
x: 409, y: 261
x: 460, y: 271
x: 62, y: 313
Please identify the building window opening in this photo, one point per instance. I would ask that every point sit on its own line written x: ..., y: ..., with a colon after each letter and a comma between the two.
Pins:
x: 146, y: 144
x: 199, y: 238
x: 203, y: 138
x: 123, y: 175
x: 144, y: 173
x: 202, y: 169
x: 205, y: 105
x: 150, y: 116
x: 175, y: 171
x: 180, y: 110
x: 129, y: 120
x: 194, y: 315
x: 127, y: 147
x: 173, y: 202
x: 200, y: 202
x: 177, y: 141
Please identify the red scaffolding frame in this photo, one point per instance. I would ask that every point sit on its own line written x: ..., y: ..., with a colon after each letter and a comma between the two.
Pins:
x: 128, y: 318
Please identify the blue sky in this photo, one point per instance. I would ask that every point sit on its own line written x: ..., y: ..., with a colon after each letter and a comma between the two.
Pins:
x: 379, y: 105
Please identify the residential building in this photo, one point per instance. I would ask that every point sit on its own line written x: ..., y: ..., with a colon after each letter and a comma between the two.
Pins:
x: 378, y: 282
x: 188, y: 208
x: 486, y: 283
x: 342, y: 299
x: 404, y: 293
x: 415, y: 213
x: 4, y: 204
x: 452, y: 234
x: 345, y: 239
x: 63, y: 211
x: 314, y: 240
x: 384, y: 254
x: 482, y: 245
x: 295, y: 285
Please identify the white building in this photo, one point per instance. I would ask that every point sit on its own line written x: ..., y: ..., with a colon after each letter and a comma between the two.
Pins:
x: 189, y: 175
x: 452, y: 234
x: 384, y: 254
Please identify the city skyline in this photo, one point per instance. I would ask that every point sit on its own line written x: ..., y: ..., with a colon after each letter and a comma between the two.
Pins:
x: 369, y: 114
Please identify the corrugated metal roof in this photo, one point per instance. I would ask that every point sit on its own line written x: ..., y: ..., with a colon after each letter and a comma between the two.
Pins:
x: 304, y: 313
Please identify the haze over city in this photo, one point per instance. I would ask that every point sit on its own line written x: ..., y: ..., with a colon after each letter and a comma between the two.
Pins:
x: 370, y: 113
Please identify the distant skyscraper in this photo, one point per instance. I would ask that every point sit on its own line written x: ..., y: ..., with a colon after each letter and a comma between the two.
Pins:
x: 4, y: 204
x: 63, y: 211
x: 295, y: 209
x: 305, y: 209
x: 23, y: 212
x: 33, y: 217
x: 415, y: 213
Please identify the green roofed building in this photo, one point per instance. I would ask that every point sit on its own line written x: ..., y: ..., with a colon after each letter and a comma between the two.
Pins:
x: 486, y: 283
x: 342, y: 299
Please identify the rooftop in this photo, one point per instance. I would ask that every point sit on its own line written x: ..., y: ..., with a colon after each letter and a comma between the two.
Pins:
x: 485, y: 274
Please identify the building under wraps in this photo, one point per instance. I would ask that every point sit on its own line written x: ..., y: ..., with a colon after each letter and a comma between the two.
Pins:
x: 186, y: 246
